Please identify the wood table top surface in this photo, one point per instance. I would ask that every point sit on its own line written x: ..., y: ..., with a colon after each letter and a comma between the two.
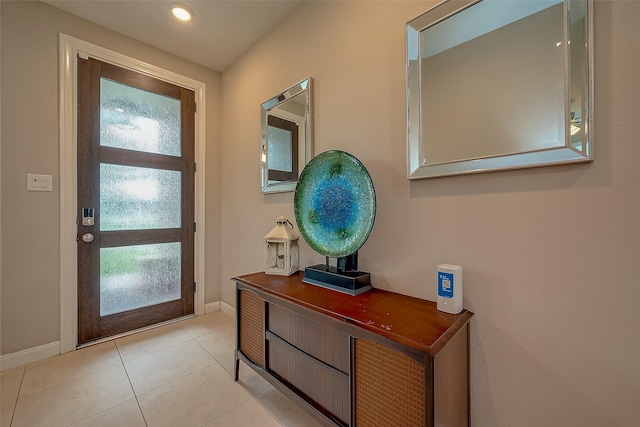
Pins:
x: 411, y: 321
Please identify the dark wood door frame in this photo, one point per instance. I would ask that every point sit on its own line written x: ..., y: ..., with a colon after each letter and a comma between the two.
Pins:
x: 90, y: 325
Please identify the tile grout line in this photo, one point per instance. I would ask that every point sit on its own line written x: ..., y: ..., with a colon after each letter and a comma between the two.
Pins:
x: 174, y: 380
x: 216, y: 362
x: 135, y: 396
x: 207, y: 351
x: 13, y: 413
x: 141, y: 412
x: 178, y: 323
x: 65, y: 381
x: 91, y: 373
x: 155, y: 351
x: 252, y: 397
x: 97, y: 413
x: 191, y: 337
x: 275, y: 417
x: 230, y: 409
x: 210, y: 332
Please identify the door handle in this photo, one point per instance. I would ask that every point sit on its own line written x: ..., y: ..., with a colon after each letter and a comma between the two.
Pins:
x: 87, y: 237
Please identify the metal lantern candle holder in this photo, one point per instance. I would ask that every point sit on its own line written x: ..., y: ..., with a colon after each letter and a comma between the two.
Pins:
x: 281, y: 249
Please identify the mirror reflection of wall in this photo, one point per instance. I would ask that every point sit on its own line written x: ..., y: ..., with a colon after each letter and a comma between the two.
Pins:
x: 492, y: 70
x: 498, y: 84
x: 286, y: 137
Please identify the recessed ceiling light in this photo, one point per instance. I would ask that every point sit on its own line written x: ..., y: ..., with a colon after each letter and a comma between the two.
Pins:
x: 181, y: 12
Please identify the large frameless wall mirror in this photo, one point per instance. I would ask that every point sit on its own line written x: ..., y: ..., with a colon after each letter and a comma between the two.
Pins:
x: 499, y: 84
x: 286, y: 137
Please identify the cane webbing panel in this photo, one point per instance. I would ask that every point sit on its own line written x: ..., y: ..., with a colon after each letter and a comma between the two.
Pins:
x: 390, y: 387
x: 252, y: 327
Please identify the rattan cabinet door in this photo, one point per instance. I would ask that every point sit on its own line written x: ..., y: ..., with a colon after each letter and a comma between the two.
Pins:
x: 389, y: 387
x: 251, y: 337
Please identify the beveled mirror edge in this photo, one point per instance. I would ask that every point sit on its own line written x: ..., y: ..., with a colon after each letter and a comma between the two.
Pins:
x: 308, y: 137
x: 528, y: 159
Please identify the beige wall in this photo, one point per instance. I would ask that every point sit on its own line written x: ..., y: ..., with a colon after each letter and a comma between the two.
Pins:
x: 550, y: 255
x: 30, y: 221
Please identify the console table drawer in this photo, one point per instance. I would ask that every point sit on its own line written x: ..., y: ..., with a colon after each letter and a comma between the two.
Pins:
x: 328, y: 388
x: 320, y: 341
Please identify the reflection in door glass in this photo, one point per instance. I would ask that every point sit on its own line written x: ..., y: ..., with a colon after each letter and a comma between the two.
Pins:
x: 279, y: 149
x: 138, y: 198
x: 138, y: 276
x: 135, y: 119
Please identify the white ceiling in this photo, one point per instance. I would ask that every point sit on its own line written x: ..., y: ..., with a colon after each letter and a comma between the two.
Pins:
x: 219, y: 33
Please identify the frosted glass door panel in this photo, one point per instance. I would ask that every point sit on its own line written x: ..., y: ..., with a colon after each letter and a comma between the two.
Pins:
x: 279, y: 149
x: 138, y: 276
x: 139, y: 198
x: 135, y: 119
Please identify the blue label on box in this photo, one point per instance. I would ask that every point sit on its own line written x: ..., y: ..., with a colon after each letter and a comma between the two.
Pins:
x: 445, y: 285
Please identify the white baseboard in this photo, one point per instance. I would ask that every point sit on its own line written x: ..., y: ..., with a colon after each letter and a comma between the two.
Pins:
x: 226, y: 308
x: 19, y: 358
x: 219, y: 306
x: 23, y: 357
x: 210, y: 307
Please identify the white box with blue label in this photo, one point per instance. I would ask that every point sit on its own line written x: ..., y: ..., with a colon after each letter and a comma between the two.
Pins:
x: 449, y: 288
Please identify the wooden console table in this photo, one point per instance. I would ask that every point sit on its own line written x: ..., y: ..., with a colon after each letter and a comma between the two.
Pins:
x: 376, y: 359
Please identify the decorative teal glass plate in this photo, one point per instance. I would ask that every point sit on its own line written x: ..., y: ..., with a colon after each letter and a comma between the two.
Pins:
x: 335, y: 204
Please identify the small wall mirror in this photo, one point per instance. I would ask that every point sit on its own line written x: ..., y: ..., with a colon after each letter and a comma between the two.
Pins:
x: 499, y: 84
x: 286, y: 137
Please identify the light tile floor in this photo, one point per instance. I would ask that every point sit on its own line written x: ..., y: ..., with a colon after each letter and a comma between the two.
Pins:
x: 175, y: 375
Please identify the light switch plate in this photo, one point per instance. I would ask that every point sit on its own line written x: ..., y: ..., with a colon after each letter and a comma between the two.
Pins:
x: 37, y: 182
